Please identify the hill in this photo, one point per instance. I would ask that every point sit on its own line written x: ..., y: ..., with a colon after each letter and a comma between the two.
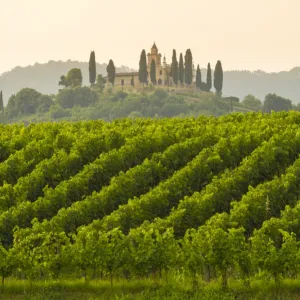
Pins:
x: 45, y: 77
x: 259, y: 84
x: 140, y: 199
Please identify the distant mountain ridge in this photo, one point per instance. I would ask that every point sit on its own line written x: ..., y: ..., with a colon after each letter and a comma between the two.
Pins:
x: 44, y: 78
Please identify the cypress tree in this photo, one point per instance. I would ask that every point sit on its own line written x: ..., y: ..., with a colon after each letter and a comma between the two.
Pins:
x: 174, y: 68
x: 188, y: 64
x: 92, y: 68
x: 132, y: 80
x: 1, y: 102
x: 208, y: 78
x: 111, y: 72
x: 198, y: 78
x: 218, y: 78
x: 143, y: 73
x: 181, y: 70
x: 153, y: 72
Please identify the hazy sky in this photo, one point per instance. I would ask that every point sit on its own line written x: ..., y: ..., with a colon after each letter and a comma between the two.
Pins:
x: 243, y: 34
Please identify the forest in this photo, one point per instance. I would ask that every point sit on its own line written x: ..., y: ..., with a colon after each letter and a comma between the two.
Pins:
x: 181, y: 208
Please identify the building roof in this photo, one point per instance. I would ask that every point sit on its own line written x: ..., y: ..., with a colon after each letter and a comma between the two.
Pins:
x: 154, y: 46
x: 127, y: 74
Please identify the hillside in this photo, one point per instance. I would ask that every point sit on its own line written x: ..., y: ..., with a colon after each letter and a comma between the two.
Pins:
x: 83, y: 103
x: 145, y: 198
x: 259, y: 84
x: 45, y: 77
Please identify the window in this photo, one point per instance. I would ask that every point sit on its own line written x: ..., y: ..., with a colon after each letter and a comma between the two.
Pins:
x: 160, y: 72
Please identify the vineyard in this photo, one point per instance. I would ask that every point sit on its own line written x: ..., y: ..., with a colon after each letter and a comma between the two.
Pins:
x: 206, y: 199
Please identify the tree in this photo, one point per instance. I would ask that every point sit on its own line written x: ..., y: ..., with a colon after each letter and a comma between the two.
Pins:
x: 181, y: 70
x: 143, y: 74
x: 153, y: 72
x: 53, y: 251
x: 272, y: 258
x: 132, y: 81
x: 72, y: 79
x: 174, y: 67
x: 223, y: 249
x: 111, y: 72
x: 25, y: 102
x: 75, y: 77
x: 28, y: 255
x: 81, y: 96
x: 192, y: 254
x: 114, y: 251
x: 45, y: 102
x: 85, y: 251
x: 151, y: 250
x: 92, y: 68
x: 6, y: 263
x: 1, y: 102
x: 252, y: 102
x: 198, y: 78
x: 276, y: 103
x: 100, y: 83
x: 208, y: 78
x: 218, y: 78
x: 188, y: 67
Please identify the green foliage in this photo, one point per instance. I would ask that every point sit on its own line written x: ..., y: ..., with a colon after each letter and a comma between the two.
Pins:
x: 276, y: 103
x: 143, y: 74
x: 100, y: 83
x: 252, y: 102
x: 188, y: 67
x: 6, y: 263
x: 208, y: 78
x: 25, y: 102
x: 151, y: 251
x: 186, y: 199
x: 57, y: 112
x: 45, y: 102
x: 198, y: 78
x: 81, y: 96
x: 174, y: 68
x: 1, y: 102
x: 181, y: 70
x: 218, y: 78
x: 132, y: 81
x: 119, y: 96
x: 92, y: 68
x: 153, y: 72
x: 72, y: 79
x: 276, y: 260
x: 111, y: 72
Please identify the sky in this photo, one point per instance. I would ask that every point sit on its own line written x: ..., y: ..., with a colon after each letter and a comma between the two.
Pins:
x: 243, y: 34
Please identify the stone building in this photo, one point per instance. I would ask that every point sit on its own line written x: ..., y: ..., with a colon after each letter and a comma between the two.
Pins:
x: 163, y: 71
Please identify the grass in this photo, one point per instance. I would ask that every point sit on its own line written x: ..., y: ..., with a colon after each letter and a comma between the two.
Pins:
x: 176, y: 289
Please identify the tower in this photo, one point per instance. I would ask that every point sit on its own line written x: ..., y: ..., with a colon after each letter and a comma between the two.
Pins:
x: 154, y: 55
x: 154, y: 50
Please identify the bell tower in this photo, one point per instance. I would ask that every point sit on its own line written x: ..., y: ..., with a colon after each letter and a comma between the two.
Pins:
x: 154, y: 55
x: 154, y: 50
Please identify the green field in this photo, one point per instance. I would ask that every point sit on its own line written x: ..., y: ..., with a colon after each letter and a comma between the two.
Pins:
x: 182, y: 208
